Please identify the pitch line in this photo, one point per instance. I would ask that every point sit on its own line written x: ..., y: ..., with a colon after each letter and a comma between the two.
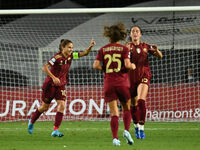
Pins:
x: 100, y: 129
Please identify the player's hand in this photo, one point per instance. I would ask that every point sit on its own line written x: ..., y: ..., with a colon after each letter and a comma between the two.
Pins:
x: 92, y: 43
x: 133, y: 66
x: 129, y: 47
x: 154, y: 47
x: 56, y: 81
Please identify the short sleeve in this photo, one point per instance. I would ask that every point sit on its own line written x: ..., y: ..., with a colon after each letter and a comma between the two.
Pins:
x: 100, y: 55
x: 52, y: 61
x: 126, y: 53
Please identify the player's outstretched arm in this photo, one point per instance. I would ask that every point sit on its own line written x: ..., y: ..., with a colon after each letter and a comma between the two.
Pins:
x: 87, y: 51
x: 157, y: 52
x: 97, y: 65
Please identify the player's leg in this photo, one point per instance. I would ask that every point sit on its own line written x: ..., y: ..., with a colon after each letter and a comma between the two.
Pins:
x: 58, y: 118
x: 114, y: 123
x: 126, y: 114
x: 142, y: 94
x: 135, y: 116
x: 47, y: 96
x: 125, y: 100
x: 134, y: 108
x: 111, y: 97
x: 36, y: 115
x: 127, y: 121
x: 60, y: 99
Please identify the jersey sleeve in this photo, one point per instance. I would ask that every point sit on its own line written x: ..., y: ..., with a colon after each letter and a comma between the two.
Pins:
x: 52, y: 61
x: 126, y: 53
x: 100, y: 55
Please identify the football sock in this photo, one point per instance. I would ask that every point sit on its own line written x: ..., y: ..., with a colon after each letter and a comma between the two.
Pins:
x: 114, y: 123
x: 58, y: 120
x: 136, y: 125
x: 55, y: 128
x: 127, y: 119
x: 142, y: 107
x: 141, y: 127
x: 135, y: 114
x: 35, y: 116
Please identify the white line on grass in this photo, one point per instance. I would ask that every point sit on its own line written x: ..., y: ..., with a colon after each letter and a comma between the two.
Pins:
x: 96, y: 129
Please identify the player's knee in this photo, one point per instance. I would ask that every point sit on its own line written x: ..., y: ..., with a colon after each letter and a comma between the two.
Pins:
x: 43, y: 108
x: 114, y: 113
x: 126, y: 107
x: 46, y: 108
x: 133, y: 101
x: 61, y: 107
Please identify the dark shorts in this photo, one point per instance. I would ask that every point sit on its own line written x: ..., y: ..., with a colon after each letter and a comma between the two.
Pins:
x: 53, y: 92
x: 116, y: 92
x: 134, y: 86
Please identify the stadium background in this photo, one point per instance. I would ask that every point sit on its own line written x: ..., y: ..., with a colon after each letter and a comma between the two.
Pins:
x: 29, y: 39
x: 87, y: 135
x: 175, y: 75
x: 32, y: 4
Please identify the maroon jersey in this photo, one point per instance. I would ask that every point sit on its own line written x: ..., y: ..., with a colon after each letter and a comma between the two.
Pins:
x: 139, y: 56
x: 59, y: 68
x: 112, y: 57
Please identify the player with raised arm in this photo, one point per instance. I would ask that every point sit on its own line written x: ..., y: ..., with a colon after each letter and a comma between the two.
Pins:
x: 115, y: 64
x: 140, y: 78
x: 54, y: 84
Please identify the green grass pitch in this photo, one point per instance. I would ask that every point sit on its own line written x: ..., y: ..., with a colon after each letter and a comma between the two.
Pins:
x: 82, y: 135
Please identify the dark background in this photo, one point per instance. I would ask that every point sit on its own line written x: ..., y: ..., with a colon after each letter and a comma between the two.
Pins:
x: 36, y: 4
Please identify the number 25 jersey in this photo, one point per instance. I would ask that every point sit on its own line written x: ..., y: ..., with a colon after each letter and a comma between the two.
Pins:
x: 112, y: 58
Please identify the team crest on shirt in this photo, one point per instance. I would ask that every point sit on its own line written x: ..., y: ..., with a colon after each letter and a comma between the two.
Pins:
x: 145, y: 49
x: 138, y: 50
x: 69, y: 58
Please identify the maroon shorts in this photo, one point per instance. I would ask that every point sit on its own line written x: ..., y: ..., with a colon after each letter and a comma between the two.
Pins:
x: 116, y: 92
x: 134, y: 86
x: 53, y: 92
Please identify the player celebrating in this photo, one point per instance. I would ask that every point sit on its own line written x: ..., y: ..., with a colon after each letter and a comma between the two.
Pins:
x: 115, y: 62
x: 54, y: 84
x: 140, y: 78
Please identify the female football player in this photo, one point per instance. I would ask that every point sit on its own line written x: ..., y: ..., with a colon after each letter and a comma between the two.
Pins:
x: 54, y: 84
x: 140, y: 78
x: 115, y: 62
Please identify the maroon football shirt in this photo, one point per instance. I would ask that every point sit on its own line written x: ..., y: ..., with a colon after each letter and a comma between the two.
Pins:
x: 139, y: 56
x: 112, y: 57
x: 59, y: 68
